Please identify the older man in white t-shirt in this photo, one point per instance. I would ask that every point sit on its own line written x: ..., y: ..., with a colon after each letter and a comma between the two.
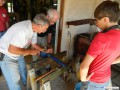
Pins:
x: 14, y: 43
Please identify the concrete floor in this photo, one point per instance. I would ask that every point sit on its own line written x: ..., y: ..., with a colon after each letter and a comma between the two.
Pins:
x: 60, y: 84
x: 57, y: 84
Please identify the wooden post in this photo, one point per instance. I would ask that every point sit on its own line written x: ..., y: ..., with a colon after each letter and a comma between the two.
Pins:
x: 32, y: 79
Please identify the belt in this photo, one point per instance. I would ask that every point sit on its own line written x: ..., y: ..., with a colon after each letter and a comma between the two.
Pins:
x: 1, y: 31
x: 1, y: 56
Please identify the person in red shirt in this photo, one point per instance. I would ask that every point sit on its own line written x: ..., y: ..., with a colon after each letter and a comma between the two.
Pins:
x: 4, y: 18
x: 95, y: 70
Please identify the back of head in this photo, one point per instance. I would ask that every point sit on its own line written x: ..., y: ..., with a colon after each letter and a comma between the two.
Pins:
x: 52, y: 13
x: 41, y: 19
x: 108, y: 9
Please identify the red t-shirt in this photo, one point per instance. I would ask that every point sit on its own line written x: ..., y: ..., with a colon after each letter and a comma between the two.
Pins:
x: 3, y: 18
x: 105, y: 48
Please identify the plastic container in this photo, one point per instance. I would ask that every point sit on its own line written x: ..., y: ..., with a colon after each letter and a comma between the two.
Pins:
x: 78, y: 86
x: 43, y: 55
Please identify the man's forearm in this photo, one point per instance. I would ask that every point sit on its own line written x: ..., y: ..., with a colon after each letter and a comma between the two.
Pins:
x: 84, y: 67
x: 25, y: 52
x: 20, y: 51
x: 49, y: 38
x: 36, y: 46
x: 83, y: 73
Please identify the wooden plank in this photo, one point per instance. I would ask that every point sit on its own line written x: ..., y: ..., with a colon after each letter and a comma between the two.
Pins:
x: 28, y: 78
x: 51, y: 75
x: 81, y: 22
x: 42, y: 76
x: 61, y: 23
x: 32, y: 75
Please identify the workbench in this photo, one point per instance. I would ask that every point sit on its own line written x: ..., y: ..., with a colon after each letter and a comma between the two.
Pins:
x: 38, y: 74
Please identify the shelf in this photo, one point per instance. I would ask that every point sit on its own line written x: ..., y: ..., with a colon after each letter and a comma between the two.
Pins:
x: 81, y: 22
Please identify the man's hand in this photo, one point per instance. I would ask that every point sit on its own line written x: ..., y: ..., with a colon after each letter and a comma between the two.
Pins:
x: 88, y: 77
x: 49, y: 50
x: 34, y: 52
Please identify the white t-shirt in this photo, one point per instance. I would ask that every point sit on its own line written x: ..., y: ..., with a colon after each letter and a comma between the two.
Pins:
x: 20, y: 35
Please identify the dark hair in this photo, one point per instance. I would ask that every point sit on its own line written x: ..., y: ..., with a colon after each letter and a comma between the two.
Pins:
x: 108, y: 9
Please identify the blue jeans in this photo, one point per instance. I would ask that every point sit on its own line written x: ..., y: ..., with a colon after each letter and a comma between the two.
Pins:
x: 12, y: 69
x: 94, y: 86
x: 2, y: 33
x: 22, y: 69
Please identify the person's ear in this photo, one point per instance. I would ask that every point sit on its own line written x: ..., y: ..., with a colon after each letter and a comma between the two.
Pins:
x: 48, y: 17
x: 106, y: 19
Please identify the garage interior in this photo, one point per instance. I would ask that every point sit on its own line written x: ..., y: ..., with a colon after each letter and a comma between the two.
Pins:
x: 20, y: 10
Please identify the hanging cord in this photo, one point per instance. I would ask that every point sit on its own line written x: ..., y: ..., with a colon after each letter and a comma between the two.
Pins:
x: 69, y: 34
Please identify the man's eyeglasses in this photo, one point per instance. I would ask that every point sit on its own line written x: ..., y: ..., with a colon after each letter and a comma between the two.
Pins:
x: 99, y: 18
x: 96, y: 19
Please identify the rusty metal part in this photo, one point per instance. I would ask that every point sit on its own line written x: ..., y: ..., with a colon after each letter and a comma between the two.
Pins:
x: 55, y: 71
x: 47, y: 73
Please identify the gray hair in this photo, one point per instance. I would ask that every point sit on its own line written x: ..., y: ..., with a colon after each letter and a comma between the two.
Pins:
x: 52, y: 12
x: 41, y: 19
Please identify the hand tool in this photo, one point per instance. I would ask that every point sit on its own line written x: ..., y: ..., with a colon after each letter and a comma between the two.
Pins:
x: 45, y: 55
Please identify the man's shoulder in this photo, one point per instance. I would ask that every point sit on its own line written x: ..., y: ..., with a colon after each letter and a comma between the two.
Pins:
x: 50, y: 28
x: 23, y: 23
